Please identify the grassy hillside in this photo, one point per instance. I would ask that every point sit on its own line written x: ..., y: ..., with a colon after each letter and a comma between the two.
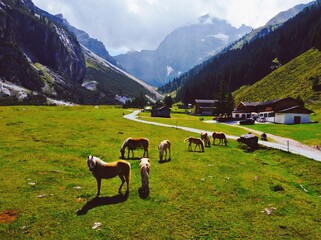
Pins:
x: 223, y: 193
x: 295, y: 79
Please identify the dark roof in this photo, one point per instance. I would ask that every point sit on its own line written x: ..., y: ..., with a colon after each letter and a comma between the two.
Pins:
x: 298, y: 109
x: 205, y: 101
x: 260, y: 104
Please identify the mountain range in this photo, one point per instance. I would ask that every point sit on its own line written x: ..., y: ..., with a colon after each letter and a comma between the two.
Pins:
x: 181, y: 50
x: 43, y: 61
x: 252, y: 60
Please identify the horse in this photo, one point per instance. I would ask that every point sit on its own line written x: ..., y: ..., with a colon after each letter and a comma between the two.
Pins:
x: 221, y: 136
x: 103, y: 170
x: 162, y: 147
x: 134, y: 143
x: 144, y: 167
x: 197, y: 141
x: 206, y: 139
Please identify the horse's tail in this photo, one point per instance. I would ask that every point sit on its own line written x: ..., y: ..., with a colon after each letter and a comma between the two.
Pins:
x: 129, y: 172
x: 202, y: 144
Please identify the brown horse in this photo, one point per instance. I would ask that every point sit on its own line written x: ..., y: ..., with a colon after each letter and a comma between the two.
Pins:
x: 103, y: 170
x: 162, y: 147
x: 206, y: 139
x: 134, y: 143
x: 144, y: 167
x: 197, y: 141
x: 221, y: 136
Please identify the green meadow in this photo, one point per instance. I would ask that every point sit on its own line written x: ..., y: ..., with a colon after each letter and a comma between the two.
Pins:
x: 226, y: 192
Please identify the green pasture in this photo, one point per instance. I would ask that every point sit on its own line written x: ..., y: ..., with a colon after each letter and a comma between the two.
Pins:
x: 226, y: 192
x: 309, y: 134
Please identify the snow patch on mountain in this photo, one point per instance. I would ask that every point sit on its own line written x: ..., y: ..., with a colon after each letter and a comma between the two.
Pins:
x: 221, y: 36
x: 169, y: 70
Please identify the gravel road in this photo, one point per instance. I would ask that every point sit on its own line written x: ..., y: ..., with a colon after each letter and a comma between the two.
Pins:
x: 281, y: 143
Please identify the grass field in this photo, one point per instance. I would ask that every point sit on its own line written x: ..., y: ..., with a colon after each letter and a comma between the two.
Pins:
x: 223, y: 193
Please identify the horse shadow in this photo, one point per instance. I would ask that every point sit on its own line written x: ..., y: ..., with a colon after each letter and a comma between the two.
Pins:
x: 101, y: 201
x: 165, y: 160
x: 128, y: 159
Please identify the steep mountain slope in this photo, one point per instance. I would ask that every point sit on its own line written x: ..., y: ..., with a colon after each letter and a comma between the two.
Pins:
x: 182, y: 49
x: 113, y: 83
x: 42, y: 62
x: 270, y: 26
x: 255, y: 60
x: 93, y: 45
x: 300, y: 78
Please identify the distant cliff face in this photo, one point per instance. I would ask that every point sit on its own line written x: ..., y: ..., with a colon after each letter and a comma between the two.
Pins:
x: 42, y: 62
x: 22, y: 31
x: 14, y: 67
x: 93, y: 45
x: 49, y: 44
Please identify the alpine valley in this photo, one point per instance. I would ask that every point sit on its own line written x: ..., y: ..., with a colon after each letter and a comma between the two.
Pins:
x: 44, y: 60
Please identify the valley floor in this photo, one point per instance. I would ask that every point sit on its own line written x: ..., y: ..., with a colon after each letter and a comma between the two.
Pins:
x: 278, y: 142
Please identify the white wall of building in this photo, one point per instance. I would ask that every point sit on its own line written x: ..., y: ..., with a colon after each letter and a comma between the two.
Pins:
x: 288, y: 118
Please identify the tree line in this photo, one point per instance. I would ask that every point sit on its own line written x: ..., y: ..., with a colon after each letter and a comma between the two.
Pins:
x: 253, y: 61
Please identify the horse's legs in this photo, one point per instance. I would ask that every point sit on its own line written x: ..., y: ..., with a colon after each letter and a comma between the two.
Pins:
x: 98, y: 186
x: 122, y: 178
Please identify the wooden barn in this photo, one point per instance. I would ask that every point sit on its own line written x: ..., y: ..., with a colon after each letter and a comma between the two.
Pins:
x: 161, y: 111
x: 286, y: 111
x: 204, y: 106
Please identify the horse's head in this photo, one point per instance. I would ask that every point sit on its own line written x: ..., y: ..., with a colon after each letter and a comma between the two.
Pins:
x: 91, y: 163
x: 225, y: 141
x: 122, y: 152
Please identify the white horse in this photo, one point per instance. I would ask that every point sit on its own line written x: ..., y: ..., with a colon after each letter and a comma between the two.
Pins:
x: 144, y: 167
x: 162, y: 147
x: 101, y: 169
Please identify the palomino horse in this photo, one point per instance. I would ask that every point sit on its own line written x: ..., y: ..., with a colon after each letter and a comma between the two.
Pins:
x: 206, y: 139
x: 221, y: 136
x: 197, y: 141
x: 144, y: 167
x: 162, y: 147
x: 101, y: 169
x: 134, y: 143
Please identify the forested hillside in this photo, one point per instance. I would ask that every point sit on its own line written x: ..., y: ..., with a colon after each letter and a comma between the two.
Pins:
x: 300, y: 78
x: 255, y: 60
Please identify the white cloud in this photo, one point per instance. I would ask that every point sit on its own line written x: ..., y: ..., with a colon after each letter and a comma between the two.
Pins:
x: 142, y: 24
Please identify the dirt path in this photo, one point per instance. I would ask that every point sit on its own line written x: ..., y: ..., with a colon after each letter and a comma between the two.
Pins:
x: 281, y: 143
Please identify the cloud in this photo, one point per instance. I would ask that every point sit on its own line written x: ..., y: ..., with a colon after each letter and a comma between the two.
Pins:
x: 142, y: 24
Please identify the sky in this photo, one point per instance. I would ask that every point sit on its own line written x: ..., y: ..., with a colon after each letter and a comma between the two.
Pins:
x: 128, y: 25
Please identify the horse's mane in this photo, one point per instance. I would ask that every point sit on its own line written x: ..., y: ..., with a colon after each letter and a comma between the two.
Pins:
x: 98, y: 160
x: 125, y: 143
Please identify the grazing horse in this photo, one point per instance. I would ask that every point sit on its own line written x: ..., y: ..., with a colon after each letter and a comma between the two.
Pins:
x: 206, y: 139
x: 162, y: 147
x: 134, y: 143
x: 101, y: 169
x: 197, y: 141
x: 221, y: 136
x: 144, y: 167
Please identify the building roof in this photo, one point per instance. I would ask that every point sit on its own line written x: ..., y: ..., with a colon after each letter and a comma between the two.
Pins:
x: 205, y: 101
x: 296, y: 109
